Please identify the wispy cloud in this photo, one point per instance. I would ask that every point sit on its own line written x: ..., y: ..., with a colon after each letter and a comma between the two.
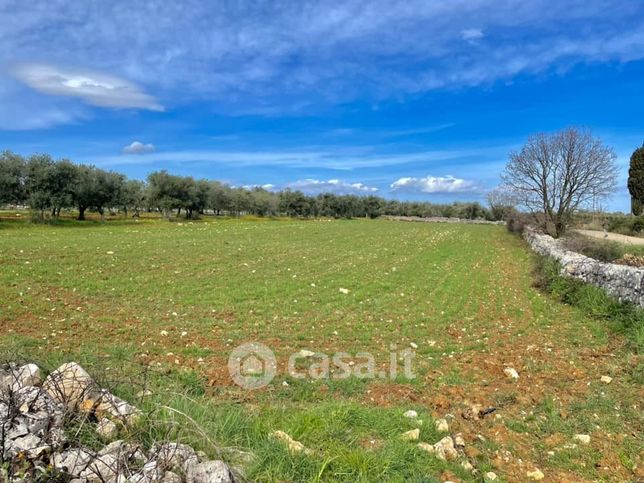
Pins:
x: 95, y: 88
x: 471, y: 34
x: 340, y: 158
x: 320, y: 54
x: 316, y: 186
x: 434, y: 184
x: 137, y: 147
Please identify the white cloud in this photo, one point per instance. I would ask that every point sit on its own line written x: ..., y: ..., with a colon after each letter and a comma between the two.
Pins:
x: 315, y: 186
x: 138, y: 147
x: 434, y: 184
x: 95, y: 88
x: 471, y: 34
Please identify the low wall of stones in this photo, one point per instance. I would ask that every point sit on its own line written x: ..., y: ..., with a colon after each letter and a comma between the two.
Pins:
x: 621, y: 281
x: 441, y: 219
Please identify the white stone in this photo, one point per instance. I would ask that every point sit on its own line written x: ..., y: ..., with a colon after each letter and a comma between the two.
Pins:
x: 411, y: 435
x: 459, y: 441
x: 174, y: 456
x: 606, y: 379
x: 410, y: 414
x: 442, y: 426
x: 72, y: 461
x: 413, y: 345
x: 582, y: 438
x: 511, y: 372
x: 445, y: 450
x: 490, y: 476
x: 71, y: 386
x: 305, y: 353
x: 344, y: 290
x: 535, y: 474
x: 467, y: 466
x: 209, y: 472
x: 103, y: 468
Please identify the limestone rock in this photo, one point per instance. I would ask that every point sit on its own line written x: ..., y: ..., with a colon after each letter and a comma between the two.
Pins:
x: 410, y: 414
x: 293, y: 445
x: 173, y: 456
x: 606, y: 379
x: 106, y: 429
x: 71, y: 386
x: 536, y: 474
x: 411, y: 435
x: 490, y: 476
x: 459, y: 441
x: 71, y: 462
x: 511, y: 373
x: 210, y: 472
x: 442, y: 426
x: 102, y: 469
x: 582, y: 438
x: 443, y: 450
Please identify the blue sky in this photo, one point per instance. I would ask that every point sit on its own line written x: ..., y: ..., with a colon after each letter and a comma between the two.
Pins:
x: 409, y: 100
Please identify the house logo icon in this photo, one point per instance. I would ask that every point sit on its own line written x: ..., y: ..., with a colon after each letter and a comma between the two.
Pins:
x: 252, y: 365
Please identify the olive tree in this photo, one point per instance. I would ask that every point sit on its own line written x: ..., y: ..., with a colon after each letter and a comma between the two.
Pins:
x: 556, y: 174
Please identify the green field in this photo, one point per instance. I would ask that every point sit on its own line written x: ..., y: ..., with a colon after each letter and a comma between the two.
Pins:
x: 161, y: 305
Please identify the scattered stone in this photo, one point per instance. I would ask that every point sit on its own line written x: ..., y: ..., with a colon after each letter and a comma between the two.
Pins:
x: 606, y: 379
x: 293, y: 445
x: 490, y: 476
x: 410, y: 414
x: 467, y: 466
x: 443, y: 450
x: 536, y: 474
x: 411, y: 435
x: 344, y: 291
x: 442, y: 426
x: 582, y: 438
x: 413, y: 345
x: 511, y: 372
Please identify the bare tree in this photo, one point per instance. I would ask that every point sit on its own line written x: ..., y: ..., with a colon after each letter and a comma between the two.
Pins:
x: 555, y: 174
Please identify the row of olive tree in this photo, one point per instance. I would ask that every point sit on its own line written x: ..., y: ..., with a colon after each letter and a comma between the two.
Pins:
x: 49, y: 186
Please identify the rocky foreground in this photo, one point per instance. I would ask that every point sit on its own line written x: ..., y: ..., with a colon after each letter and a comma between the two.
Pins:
x: 36, y: 416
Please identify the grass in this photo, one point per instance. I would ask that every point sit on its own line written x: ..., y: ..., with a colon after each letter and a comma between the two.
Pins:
x: 104, y: 295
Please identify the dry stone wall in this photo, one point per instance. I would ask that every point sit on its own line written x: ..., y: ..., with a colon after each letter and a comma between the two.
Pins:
x: 621, y: 281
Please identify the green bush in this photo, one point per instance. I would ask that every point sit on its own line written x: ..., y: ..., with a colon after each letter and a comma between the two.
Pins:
x: 626, y: 225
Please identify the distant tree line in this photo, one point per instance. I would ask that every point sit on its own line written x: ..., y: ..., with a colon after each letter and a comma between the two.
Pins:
x: 48, y: 186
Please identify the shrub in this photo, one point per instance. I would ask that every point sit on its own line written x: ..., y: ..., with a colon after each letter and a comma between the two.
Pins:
x: 516, y: 221
x: 602, y: 250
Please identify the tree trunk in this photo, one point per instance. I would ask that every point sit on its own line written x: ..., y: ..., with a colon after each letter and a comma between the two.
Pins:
x: 81, y: 213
